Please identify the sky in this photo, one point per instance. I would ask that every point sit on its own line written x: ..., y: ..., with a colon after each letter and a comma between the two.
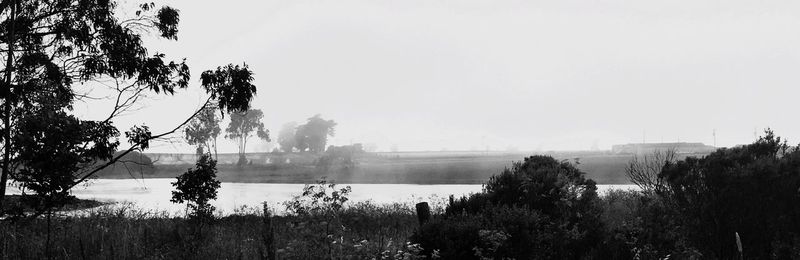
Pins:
x: 497, y: 74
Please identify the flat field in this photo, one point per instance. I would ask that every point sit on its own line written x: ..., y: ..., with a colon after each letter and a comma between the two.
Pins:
x: 399, y: 168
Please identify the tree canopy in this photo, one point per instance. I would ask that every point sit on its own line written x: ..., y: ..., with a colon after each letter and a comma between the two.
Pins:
x: 242, y: 126
x: 51, y: 46
x: 203, y: 131
x: 313, y: 135
x: 286, y: 137
x: 752, y: 190
x: 197, y: 187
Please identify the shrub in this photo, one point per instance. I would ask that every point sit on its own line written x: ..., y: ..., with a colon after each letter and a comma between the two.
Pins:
x: 500, y: 232
x: 321, y: 203
x: 641, y: 225
x: 752, y: 190
x: 197, y: 187
x: 547, y: 207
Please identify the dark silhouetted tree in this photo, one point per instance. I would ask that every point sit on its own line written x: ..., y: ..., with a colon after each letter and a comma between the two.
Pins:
x: 644, y: 170
x: 752, y: 190
x: 52, y: 146
x: 49, y: 46
x: 313, y: 135
x: 197, y: 187
x: 241, y: 128
x: 546, y: 207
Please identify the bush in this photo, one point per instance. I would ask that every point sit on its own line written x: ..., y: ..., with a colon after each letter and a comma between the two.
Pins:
x: 750, y: 190
x: 546, y: 207
x: 197, y: 187
x: 641, y: 225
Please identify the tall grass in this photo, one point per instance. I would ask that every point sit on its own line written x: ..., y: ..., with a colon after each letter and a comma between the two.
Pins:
x: 126, y: 232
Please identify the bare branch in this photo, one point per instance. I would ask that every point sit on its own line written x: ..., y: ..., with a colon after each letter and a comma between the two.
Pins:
x: 137, y: 146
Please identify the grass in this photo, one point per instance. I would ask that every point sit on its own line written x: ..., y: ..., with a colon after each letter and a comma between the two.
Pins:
x: 121, y: 231
x: 365, y: 230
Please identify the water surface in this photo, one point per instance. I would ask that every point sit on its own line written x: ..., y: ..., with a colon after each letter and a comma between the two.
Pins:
x: 154, y: 194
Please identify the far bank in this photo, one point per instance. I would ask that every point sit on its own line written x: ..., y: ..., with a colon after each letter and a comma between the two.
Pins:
x: 468, y: 167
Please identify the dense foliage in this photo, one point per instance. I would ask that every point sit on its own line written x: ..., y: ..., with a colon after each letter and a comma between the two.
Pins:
x: 313, y: 135
x: 242, y: 126
x: 751, y: 190
x: 54, y: 51
x: 197, y: 187
x: 203, y: 131
x: 541, y: 208
x: 49, y: 161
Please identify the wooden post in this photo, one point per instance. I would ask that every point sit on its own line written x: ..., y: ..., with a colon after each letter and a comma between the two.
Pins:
x: 423, y: 212
x: 269, y: 234
x: 739, y: 246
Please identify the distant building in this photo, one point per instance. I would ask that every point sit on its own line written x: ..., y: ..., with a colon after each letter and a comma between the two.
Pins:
x: 646, y: 148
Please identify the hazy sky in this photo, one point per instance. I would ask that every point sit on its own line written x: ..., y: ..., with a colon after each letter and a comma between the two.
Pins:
x: 551, y: 75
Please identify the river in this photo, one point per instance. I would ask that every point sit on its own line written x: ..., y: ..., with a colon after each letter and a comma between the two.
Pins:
x: 154, y: 194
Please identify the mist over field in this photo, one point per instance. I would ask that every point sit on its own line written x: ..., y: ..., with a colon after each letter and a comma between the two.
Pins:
x: 467, y: 75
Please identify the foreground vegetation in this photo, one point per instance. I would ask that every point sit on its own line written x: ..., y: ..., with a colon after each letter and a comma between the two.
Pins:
x: 123, y: 232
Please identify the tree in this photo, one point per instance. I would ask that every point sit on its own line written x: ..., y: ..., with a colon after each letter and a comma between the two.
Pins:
x: 643, y: 171
x: 549, y: 209
x: 241, y: 128
x: 196, y: 187
x: 751, y: 190
x: 314, y: 134
x: 203, y: 131
x: 50, y: 156
x: 286, y: 137
x: 51, y: 45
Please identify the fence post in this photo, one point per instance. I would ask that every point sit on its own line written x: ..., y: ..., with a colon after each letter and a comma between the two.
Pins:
x: 423, y: 212
x: 269, y: 234
x: 739, y: 246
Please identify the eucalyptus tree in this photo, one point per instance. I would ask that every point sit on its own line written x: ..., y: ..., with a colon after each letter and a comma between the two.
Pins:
x: 203, y: 131
x: 242, y: 126
x: 55, y: 53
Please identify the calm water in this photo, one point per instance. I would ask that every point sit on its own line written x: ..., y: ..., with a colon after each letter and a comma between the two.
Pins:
x: 154, y: 194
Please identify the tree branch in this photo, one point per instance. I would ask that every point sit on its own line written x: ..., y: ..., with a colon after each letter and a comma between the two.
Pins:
x: 136, y: 147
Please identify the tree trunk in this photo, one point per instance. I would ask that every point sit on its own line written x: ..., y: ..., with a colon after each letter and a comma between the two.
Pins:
x: 47, y: 242
x: 7, y: 107
x: 216, y: 158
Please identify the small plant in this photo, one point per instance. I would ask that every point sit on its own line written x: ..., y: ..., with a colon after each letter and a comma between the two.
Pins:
x: 197, y: 187
x: 321, y: 199
x: 323, y: 203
